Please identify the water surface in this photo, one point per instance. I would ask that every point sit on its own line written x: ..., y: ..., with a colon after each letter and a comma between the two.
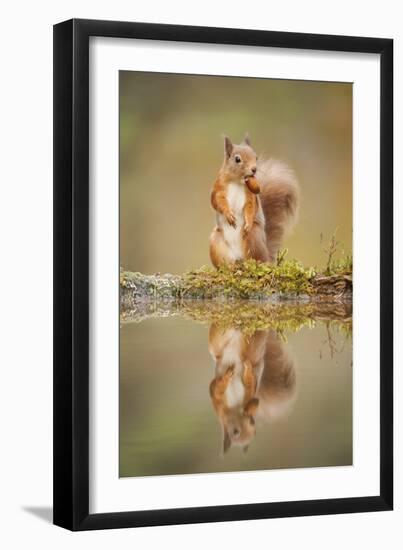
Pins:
x: 298, y: 415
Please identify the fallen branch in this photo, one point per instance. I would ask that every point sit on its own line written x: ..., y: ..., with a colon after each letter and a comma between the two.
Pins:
x: 248, y: 280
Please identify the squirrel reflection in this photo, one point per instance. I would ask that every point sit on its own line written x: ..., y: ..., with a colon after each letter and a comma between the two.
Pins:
x: 254, y: 378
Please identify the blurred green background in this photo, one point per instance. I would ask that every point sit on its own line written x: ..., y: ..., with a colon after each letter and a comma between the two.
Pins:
x: 171, y: 129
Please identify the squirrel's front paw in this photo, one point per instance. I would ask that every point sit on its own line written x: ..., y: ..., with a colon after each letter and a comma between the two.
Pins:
x: 247, y: 368
x: 247, y: 227
x: 229, y: 373
x: 231, y: 219
x: 248, y: 376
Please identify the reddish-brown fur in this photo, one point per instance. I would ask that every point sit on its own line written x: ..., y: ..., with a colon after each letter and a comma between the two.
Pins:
x: 279, y: 198
x: 270, y: 209
x: 268, y: 376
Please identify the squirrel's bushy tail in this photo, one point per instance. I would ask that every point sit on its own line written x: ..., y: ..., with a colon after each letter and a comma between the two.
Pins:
x: 279, y: 197
x: 278, y: 385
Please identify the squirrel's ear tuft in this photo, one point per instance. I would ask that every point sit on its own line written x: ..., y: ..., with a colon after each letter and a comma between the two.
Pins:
x: 246, y: 140
x: 227, y: 147
x: 251, y: 407
x: 226, y: 441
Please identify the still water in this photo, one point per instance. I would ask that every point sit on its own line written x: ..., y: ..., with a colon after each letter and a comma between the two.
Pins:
x: 201, y: 397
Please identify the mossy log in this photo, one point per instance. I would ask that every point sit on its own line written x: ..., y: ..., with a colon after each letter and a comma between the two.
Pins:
x: 248, y: 280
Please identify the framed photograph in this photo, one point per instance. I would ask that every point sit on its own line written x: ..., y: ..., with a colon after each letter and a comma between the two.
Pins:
x: 223, y: 319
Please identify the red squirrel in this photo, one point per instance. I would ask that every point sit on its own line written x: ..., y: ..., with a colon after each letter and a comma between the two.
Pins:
x: 255, y: 379
x: 256, y: 202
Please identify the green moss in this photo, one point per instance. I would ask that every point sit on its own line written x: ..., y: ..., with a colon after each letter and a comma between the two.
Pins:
x: 244, y: 280
x: 250, y: 318
x: 343, y: 265
x: 247, y: 316
x: 248, y: 279
x: 125, y: 278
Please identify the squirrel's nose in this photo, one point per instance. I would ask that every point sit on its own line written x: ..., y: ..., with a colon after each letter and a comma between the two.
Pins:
x: 254, y: 170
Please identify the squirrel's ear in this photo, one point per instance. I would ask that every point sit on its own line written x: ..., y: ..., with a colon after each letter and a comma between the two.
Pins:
x: 227, y: 147
x: 246, y: 140
x: 226, y: 441
x: 251, y: 407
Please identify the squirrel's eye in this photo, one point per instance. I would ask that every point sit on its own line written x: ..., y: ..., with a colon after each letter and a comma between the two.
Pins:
x: 237, y: 159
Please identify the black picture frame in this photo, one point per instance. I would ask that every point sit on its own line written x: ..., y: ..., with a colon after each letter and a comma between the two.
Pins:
x: 71, y: 274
